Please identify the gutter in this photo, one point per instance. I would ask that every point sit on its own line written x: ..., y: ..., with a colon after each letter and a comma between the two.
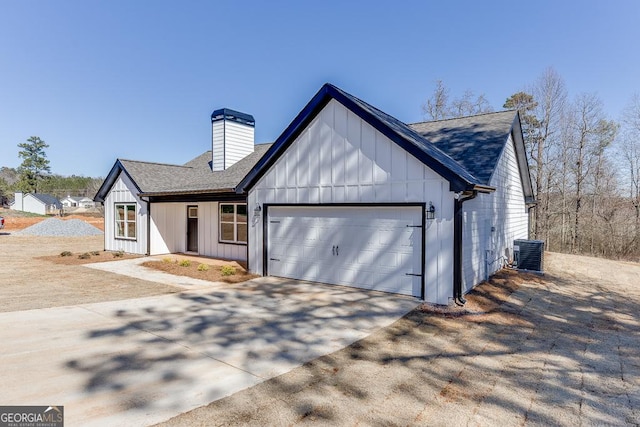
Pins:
x: 459, y: 199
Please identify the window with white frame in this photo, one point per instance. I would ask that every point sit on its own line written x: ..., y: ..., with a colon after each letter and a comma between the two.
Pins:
x: 125, y: 220
x: 233, y: 222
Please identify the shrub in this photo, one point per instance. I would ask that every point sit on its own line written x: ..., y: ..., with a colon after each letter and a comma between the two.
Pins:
x: 228, y: 270
x: 184, y: 263
x: 66, y: 253
x: 203, y: 267
x: 168, y: 260
x: 118, y: 254
x: 85, y: 255
x: 95, y: 253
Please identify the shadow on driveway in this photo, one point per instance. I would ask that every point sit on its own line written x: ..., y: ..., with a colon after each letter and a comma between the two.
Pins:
x: 160, y: 356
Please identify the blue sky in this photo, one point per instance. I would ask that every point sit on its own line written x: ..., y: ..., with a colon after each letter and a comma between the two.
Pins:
x: 98, y: 80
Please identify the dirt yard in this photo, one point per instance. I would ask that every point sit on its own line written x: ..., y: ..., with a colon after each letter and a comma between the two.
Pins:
x: 16, y: 220
x: 27, y: 282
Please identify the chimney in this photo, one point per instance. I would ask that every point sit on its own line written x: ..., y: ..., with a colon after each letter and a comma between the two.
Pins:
x: 18, y: 202
x: 232, y: 137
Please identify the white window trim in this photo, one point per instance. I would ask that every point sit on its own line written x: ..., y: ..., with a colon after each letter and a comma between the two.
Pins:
x: 235, y: 223
x: 125, y: 221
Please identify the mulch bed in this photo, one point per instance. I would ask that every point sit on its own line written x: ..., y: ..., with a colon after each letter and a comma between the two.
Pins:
x: 212, y: 273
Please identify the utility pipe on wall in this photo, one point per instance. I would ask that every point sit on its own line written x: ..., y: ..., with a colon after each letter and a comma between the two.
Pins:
x: 459, y: 199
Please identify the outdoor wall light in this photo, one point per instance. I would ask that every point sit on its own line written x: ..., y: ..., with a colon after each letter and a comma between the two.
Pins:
x: 257, y: 210
x: 431, y: 211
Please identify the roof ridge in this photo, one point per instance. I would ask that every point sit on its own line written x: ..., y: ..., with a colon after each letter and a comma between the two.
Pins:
x: 463, y: 117
x: 156, y: 163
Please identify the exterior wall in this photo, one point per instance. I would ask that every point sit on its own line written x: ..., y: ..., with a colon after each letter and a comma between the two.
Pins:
x: 17, y: 202
x: 123, y: 190
x: 504, y: 212
x: 31, y: 204
x: 340, y: 158
x: 231, y: 142
x: 169, y: 231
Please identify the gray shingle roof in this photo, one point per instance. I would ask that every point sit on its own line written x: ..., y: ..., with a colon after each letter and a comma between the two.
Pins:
x: 195, y: 176
x: 47, y: 199
x: 475, y: 142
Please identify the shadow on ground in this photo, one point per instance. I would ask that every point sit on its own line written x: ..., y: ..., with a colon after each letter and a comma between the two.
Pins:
x: 560, y: 351
x: 217, y: 342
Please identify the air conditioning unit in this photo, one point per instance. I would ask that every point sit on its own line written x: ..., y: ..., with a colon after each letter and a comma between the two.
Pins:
x: 529, y: 255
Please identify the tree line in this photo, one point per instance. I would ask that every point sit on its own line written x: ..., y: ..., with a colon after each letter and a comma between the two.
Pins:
x: 585, y: 166
x: 34, y: 175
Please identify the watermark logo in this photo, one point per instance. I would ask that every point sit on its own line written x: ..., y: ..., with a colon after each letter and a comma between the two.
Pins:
x: 31, y: 416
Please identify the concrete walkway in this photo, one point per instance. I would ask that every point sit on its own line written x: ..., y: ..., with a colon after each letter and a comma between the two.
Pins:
x: 142, y: 361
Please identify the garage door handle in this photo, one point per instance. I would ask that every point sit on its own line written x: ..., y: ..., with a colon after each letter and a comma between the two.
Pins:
x: 274, y: 259
x: 337, y: 253
x: 333, y: 250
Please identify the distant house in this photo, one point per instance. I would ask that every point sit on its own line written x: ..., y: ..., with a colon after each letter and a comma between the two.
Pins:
x: 346, y: 195
x: 77, y: 202
x: 38, y: 203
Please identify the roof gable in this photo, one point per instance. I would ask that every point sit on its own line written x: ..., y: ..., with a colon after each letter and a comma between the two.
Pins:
x: 459, y: 178
x: 475, y: 142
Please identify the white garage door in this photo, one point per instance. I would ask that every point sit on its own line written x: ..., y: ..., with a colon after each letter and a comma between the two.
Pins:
x: 375, y: 248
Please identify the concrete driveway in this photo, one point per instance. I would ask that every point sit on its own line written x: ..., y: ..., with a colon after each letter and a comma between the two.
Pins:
x: 144, y: 360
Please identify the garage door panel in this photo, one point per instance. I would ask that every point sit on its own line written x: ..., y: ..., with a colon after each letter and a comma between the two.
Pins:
x: 366, y: 247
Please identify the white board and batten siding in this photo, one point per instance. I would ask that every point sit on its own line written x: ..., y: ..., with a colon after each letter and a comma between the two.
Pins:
x: 492, y: 221
x: 231, y: 142
x: 123, y: 191
x: 169, y: 231
x: 339, y: 159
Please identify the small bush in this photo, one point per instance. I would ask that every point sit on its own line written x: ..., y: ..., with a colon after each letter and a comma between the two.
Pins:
x: 184, y: 263
x: 227, y: 270
x: 118, y: 254
x: 85, y: 255
x: 65, y: 253
x: 203, y: 267
x: 95, y: 253
x: 168, y: 260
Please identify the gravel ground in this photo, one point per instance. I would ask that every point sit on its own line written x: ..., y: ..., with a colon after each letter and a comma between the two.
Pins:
x: 59, y: 228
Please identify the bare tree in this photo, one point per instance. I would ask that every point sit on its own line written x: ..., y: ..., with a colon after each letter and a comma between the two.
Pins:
x: 437, y: 106
x: 592, y: 134
x: 631, y: 156
x: 469, y: 104
x: 551, y: 94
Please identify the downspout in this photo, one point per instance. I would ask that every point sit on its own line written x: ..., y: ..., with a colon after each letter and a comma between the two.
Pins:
x: 459, y: 199
x: 148, y: 225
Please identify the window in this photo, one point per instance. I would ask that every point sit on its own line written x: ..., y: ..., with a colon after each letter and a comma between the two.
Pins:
x: 233, y: 222
x: 126, y: 220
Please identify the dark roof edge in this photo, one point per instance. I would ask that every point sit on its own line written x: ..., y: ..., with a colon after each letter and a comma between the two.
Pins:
x: 111, y: 178
x: 234, y: 116
x: 182, y: 192
x: 313, y: 107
